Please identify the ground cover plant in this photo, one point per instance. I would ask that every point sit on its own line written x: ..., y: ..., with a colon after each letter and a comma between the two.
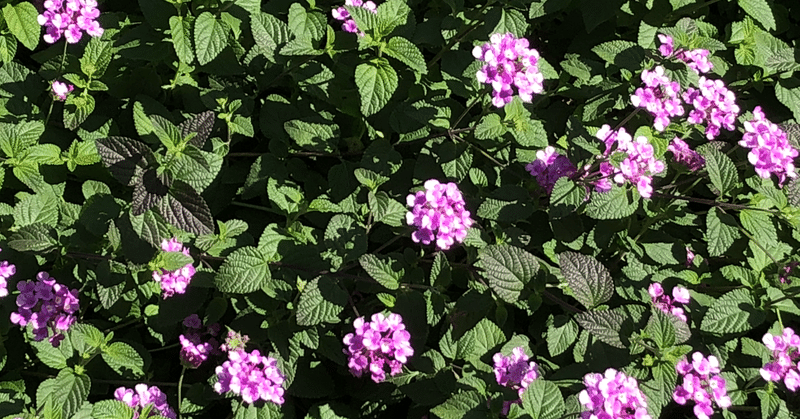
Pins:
x: 450, y: 209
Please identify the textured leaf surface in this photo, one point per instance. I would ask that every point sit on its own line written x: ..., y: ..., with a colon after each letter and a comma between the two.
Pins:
x: 734, y: 312
x: 508, y: 269
x: 184, y: 208
x: 125, y: 158
x: 244, y: 271
x: 381, y: 269
x: 21, y: 21
x: 123, y: 359
x: 209, y: 37
x: 321, y: 302
x: 407, y: 53
x: 543, y: 400
x: 589, y: 279
x: 604, y: 325
x: 721, y: 170
x: 721, y: 232
x: 376, y: 81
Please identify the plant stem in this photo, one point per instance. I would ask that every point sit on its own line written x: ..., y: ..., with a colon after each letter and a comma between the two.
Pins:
x: 164, y: 348
x: 713, y: 203
x: 562, y: 303
x: 180, y: 387
x: 256, y: 207
x: 60, y: 70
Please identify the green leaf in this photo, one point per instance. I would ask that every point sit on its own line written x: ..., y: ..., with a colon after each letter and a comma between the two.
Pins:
x: 511, y: 21
x: 210, y: 37
x: 617, y: 203
x: 39, y: 208
x: 508, y: 269
x: 76, y: 109
x: 37, y: 238
x: 386, y: 210
x: 789, y: 94
x: 565, y: 198
x: 244, y: 271
x: 460, y: 404
x: 112, y: 409
x: 123, y: 359
x: 391, y: 14
x: 721, y: 170
x: 173, y: 260
x: 151, y: 188
x: 624, y: 54
x: 305, y: 25
x: 184, y: 208
x: 8, y: 47
x: 322, y: 301
x: 721, y: 232
x: 21, y: 21
x: 543, y: 400
x: 529, y: 133
x: 313, y: 136
x: 55, y: 358
x: 604, y: 325
x: 181, y: 32
x: 403, y: 50
x: 376, y: 81
x: 589, y: 279
x: 561, y: 333
x: 67, y: 391
x: 491, y: 127
x: 485, y: 336
x: 734, y: 312
x: 662, y: 329
x: 383, y: 269
x: 760, y: 11
x: 196, y: 167
x: 96, y: 58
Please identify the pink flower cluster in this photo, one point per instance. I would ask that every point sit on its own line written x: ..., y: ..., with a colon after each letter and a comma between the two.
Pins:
x: 786, y: 354
x: 509, y: 62
x: 660, y: 96
x: 234, y: 342
x: 714, y: 105
x: 6, y: 271
x: 383, y: 342
x: 696, y: 59
x: 252, y: 376
x: 196, y: 344
x: 770, y: 151
x: 47, y: 306
x: 61, y: 90
x: 438, y: 213
x: 349, y: 24
x: 665, y: 303
x: 174, y: 282
x: 685, y: 155
x: 142, y: 396
x: 69, y: 18
x: 638, y: 167
x: 514, y: 371
x: 701, y: 384
x: 612, y: 395
x: 550, y: 166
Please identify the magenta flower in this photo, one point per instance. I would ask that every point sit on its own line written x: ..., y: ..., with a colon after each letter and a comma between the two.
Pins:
x: 174, y: 282
x: 197, y: 344
x: 786, y: 359
x: 685, y: 155
x: 612, y: 395
x: 696, y: 59
x: 234, y: 342
x: 349, y: 25
x: 142, y: 396
x: 252, y: 376
x: 714, y: 105
x: 61, y: 90
x: 438, y: 213
x: 69, y: 18
x: 514, y: 371
x: 702, y: 384
x: 550, y: 166
x: 6, y: 271
x: 509, y: 63
x: 637, y: 168
x: 383, y: 342
x: 660, y: 96
x: 770, y: 150
x: 47, y: 306
x: 669, y: 305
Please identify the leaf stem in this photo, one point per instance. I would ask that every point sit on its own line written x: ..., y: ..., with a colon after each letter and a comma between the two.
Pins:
x: 713, y: 203
x: 60, y: 70
x: 180, y: 388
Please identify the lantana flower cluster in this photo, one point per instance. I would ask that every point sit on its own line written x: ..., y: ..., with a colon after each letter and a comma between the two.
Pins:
x: 696, y: 59
x: 49, y: 307
x: 252, y: 376
x: 141, y: 396
x: 786, y: 355
x: 69, y: 18
x: 6, y: 271
x: 714, y: 105
x: 509, y: 62
x: 685, y: 155
x: 380, y: 343
x: 701, y: 383
x: 515, y: 371
x: 770, y: 150
x: 669, y: 304
x: 612, y: 395
x: 349, y: 25
x: 638, y: 167
x: 174, y: 282
x: 197, y: 344
x: 438, y: 213
x: 61, y: 90
x: 550, y: 166
x: 660, y: 96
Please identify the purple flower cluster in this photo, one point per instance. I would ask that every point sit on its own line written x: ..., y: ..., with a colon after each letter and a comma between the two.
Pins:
x: 702, y: 384
x: 197, y: 344
x: 786, y: 354
x: 787, y: 270
x: 612, y: 395
x: 349, y: 24
x: 638, y: 167
x: 69, y: 18
x: 514, y: 371
x: 714, y: 105
x: 696, y: 59
x: 660, y: 96
x: 383, y: 342
x: 234, y: 342
x: 6, y: 271
x: 668, y: 304
x: 509, y: 62
x: 47, y: 306
x: 61, y: 90
x: 174, y: 282
x: 550, y: 166
x: 252, y: 376
x: 770, y: 151
x: 141, y: 396
x: 438, y: 213
x: 685, y: 155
